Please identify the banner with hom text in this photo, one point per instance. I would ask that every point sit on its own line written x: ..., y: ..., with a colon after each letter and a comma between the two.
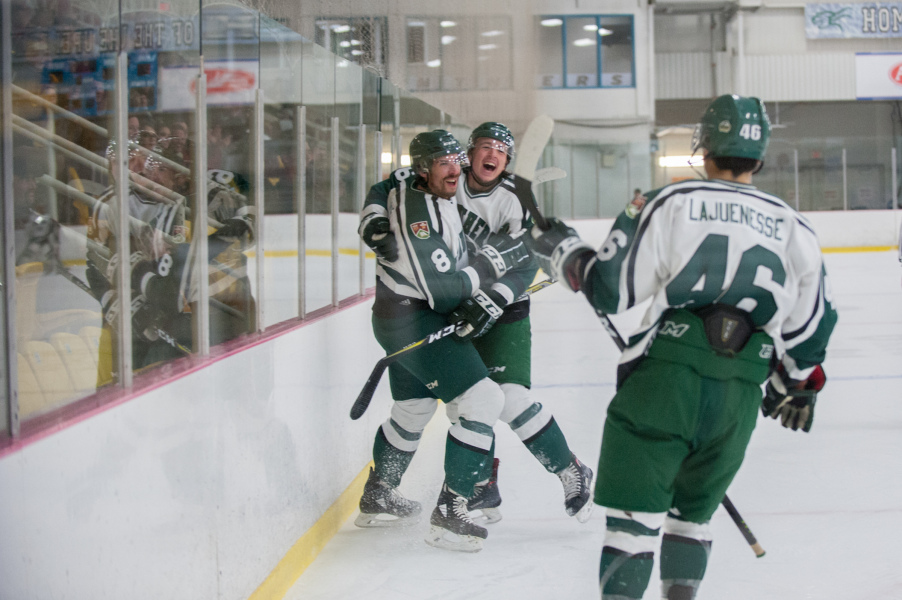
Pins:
x: 867, y: 20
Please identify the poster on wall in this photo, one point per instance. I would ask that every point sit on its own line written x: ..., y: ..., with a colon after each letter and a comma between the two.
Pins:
x: 878, y: 75
x: 858, y: 20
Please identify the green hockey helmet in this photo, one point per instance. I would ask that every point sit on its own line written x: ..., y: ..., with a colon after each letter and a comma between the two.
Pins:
x: 734, y: 126
x: 430, y: 145
x: 495, y: 131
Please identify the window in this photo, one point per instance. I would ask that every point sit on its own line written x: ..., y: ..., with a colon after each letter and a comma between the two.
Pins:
x: 360, y: 40
x: 585, y: 51
x: 455, y: 53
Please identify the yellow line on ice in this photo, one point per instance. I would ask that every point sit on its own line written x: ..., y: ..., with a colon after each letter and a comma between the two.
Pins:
x: 306, y: 549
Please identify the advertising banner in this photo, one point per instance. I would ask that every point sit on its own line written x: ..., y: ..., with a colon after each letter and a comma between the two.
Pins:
x: 865, y: 20
x: 228, y: 82
x: 878, y: 75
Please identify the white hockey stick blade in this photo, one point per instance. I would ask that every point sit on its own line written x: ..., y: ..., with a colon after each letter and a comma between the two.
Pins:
x: 531, y: 146
x: 549, y: 174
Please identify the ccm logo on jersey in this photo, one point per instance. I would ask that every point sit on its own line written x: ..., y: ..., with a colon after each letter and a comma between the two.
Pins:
x: 766, y: 351
x: 420, y: 229
x: 432, y: 385
x: 671, y: 328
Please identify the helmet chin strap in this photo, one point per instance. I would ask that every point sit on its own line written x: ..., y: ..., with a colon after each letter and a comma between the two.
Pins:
x: 695, y: 168
x: 485, y: 186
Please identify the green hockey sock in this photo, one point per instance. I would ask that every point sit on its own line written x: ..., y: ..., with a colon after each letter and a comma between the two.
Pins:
x: 390, y: 462
x: 624, y: 575
x: 550, y: 448
x: 464, y: 466
x: 683, y: 564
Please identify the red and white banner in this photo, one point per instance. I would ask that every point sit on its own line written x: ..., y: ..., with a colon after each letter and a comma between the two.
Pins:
x: 228, y: 82
x: 878, y: 75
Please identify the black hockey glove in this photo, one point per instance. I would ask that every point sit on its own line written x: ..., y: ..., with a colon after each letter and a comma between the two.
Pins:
x: 377, y: 235
x: 560, y: 252
x: 502, y: 253
x: 233, y: 228
x: 476, y: 315
x: 792, y: 401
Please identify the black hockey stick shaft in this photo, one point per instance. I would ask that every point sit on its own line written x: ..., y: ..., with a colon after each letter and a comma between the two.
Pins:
x: 369, y: 388
x: 743, y: 527
x: 523, y: 191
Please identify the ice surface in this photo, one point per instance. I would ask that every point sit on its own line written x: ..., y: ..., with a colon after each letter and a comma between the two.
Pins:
x: 826, y: 506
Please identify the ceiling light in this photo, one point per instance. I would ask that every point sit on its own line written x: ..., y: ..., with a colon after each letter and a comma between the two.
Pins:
x: 584, y: 42
x: 590, y: 27
x: 356, y: 52
x: 447, y: 39
x: 603, y: 31
x: 447, y: 23
x: 345, y: 44
x: 434, y: 63
x: 552, y: 22
x: 405, y: 160
x: 492, y: 33
x: 488, y: 46
x: 386, y: 158
x: 341, y: 28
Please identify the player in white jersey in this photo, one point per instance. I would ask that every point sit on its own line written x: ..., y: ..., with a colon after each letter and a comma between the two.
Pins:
x: 432, y: 281
x: 488, y: 207
x: 739, y: 296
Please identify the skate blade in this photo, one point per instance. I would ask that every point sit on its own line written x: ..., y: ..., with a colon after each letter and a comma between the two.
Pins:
x: 486, y: 516
x: 585, y: 513
x: 384, y: 520
x: 444, y: 539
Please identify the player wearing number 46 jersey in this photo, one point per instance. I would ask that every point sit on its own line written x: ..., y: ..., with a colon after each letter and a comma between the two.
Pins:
x: 739, y: 296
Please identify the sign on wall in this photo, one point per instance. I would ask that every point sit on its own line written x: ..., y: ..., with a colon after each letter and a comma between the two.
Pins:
x: 878, y: 75
x: 870, y: 20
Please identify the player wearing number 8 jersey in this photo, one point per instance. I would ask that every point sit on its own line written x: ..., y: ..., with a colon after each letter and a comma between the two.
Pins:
x: 739, y: 296
x: 430, y: 281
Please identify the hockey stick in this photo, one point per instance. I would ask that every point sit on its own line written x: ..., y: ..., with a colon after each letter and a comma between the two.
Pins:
x: 369, y: 388
x: 534, y: 140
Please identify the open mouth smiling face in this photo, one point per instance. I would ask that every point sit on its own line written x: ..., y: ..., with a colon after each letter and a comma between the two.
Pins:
x: 489, y: 159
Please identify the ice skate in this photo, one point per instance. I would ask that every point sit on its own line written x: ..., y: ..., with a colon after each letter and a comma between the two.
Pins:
x: 452, y: 528
x: 577, y: 481
x: 483, y: 506
x: 383, y: 506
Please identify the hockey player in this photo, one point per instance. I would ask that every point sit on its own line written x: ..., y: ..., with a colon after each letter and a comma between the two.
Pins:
x: 433, y: 281
x: 739, y: 296
x: 488, y: 206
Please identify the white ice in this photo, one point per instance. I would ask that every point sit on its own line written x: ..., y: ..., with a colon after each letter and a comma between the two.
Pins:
x: 826, y: 506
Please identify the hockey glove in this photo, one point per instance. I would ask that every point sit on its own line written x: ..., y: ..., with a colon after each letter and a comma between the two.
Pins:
x: 476, y: 315
x: 560, y: 252
x: 792, y: 401
x: 378, y: 236
x: 503, y: 253
x: 233, y: 228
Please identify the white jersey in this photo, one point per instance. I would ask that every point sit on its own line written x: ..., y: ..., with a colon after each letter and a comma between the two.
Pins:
x: 497, y: 210
x: 697, y: 243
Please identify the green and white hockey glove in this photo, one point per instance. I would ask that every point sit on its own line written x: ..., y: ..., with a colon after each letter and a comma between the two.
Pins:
x: 502, y: 253
x: 476, y: 315
x: 377, y: 235
x: 560, y: 252
x: 792, y: 401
